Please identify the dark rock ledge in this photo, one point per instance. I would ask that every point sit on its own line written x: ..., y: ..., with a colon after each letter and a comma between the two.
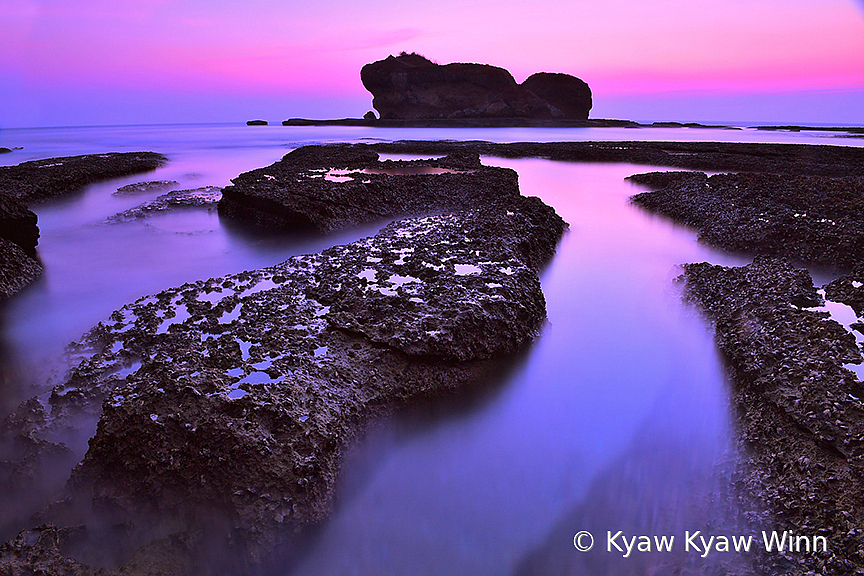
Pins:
x: 800, y: 411
x: 226, y: 404
x: 810, y: 219
x: 39, y: 180
x: 204, y: 197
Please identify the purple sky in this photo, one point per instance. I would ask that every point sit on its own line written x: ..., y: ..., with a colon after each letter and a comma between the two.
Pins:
x: 76, y: 62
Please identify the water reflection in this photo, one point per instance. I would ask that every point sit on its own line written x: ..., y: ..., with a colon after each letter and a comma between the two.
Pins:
x: 623, y: 392
x: 621, y: 401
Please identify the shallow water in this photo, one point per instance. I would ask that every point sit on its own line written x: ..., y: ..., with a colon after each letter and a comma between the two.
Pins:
x: 616, y: 419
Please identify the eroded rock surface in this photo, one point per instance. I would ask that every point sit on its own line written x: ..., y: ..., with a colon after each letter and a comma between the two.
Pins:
x: 800, y: 409
x: 810, y: 219
x: 144, y: 187
x: 235, y: 397
x: 17, y: 269
x: 327, y: 188
x: 40, y: 180
x: 205, y: 197
x: 18, y: 223
x: 410, y: 86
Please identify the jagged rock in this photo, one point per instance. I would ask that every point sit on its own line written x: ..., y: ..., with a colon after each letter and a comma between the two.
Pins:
x: 810, y: 219
x: 17, y: 269
x: 205, y: 197
x: 327, y: 188
x: 40, y: 180
x: 235, y: 397
x: 18, y: 223
x: 411, y: 86
x: 849, y: 290
x: 144, y: 187
x: 800, y: 410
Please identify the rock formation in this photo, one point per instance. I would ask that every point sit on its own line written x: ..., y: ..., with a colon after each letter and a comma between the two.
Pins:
x: 39, y: 180
x: 234, y: 398
x: 411, y: 87
x: 811, y: 219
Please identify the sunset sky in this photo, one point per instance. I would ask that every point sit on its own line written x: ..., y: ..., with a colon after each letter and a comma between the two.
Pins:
x: 80, y: 62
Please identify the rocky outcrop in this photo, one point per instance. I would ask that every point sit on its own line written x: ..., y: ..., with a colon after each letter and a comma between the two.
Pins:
x: 563, y: 92
x: 410, y: 86
x: 800, y: 410
x: 19, y: 235
x: 18, y: 223
x: 204, y: 197
x: 226, y: 404
x: 40, y: 180
x: 144, y: 187
x: 327, y: 188
x: 810, y: 219
x: 17, y: 269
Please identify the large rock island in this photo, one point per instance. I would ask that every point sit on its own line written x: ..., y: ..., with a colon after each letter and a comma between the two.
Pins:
x: 410, y: 86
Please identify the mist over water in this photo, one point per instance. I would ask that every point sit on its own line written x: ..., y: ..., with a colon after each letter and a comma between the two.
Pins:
x: 617, y: 418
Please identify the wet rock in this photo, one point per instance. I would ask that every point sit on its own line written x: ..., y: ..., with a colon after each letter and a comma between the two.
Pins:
x: 37, y: 551
x: 144, y: 187
x: 40, y: 180
x: 252, y: 385
x: 18, y: 223
x: 809, y: 219
x: 17, y: 269
x: 714, y: 156
x: 234, y: 398
x: 849, y: 290
x: 205, y: 197
x: 800, y: 410
x: 410, y: 86
x: 42, y: 550
x: 327, y: 188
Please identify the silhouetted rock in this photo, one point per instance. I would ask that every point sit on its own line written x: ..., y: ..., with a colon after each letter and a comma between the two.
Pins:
x: 411, y: 87
x: 567, y: 93
x: 256, y: 123
x: 4, y: 150
x: 370, y: 115
x: 18, y: 223
x: 40, y: 180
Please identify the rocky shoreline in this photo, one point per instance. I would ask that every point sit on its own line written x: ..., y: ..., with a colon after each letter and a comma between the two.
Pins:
x: 800, y: 408
x: 278, y: 370
x: 40, y: 180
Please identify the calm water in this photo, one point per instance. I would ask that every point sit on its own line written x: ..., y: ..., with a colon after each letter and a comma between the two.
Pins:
x: 616, y: 419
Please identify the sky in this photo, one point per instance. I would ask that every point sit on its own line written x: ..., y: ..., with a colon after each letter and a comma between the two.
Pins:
x: 98, y: 62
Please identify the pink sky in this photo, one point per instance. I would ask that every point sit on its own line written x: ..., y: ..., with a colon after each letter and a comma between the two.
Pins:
x: 118, y: 61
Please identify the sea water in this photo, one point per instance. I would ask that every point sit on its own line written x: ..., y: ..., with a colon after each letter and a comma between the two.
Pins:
x: 617, y: 418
